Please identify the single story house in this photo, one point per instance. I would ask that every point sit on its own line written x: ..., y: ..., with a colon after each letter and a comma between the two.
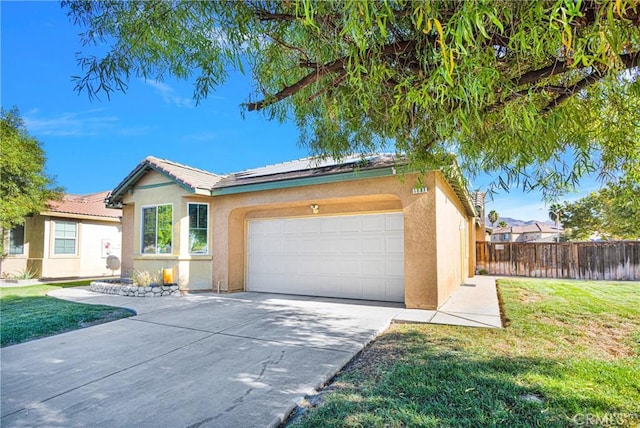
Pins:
x: 72, y: 238
x: 535, y: 232
x: 361, y: 228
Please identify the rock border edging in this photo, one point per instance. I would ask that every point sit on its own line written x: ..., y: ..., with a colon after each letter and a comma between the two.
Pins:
x: 131, y: 290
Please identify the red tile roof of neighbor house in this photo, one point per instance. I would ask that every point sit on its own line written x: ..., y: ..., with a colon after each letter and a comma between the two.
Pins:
x: 86, y: 205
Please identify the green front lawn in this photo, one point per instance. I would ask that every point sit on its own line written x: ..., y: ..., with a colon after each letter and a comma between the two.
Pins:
x: 570, y: 356
x: 26, y: 313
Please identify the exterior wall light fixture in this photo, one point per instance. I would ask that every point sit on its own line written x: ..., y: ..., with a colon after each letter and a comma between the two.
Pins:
x: 314, y: 208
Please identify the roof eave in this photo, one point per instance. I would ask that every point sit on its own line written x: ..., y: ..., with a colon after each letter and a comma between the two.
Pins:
x: 114, y: 199
x: 80, y: 216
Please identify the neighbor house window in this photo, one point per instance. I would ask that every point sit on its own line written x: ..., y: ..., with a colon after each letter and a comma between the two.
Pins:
x: 157, y: 229
x: 16, y: 240
x: 65, y: 237
x: 198, y: 228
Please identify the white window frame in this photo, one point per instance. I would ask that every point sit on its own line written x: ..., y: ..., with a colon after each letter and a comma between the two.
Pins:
x: 206, y: 246
x: 142, y: 248
x: 65, y: 238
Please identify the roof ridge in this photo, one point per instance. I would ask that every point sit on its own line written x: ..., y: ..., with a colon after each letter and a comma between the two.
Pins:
x: 155, y: 160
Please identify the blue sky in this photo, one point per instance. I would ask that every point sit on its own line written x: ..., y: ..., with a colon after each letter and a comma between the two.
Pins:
x: 92, y: 145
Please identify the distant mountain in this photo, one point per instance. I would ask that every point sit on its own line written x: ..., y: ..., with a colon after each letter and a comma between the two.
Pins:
x: 516, y: 222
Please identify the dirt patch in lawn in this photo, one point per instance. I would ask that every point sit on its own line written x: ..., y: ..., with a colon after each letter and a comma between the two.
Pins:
x: 607, y: 338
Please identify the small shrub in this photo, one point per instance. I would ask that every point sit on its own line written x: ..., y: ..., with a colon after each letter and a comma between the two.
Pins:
x: 143, y: 278
x: 28, y: 273
x: 483, y: 272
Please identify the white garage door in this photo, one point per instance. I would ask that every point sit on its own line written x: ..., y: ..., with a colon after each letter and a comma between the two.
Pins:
x: 356, y: 257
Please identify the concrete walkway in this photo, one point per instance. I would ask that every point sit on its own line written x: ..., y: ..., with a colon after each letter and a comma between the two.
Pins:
x: 203, y: 360
x: 473, y: 304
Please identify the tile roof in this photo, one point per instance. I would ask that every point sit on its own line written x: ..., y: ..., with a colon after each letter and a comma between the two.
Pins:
x: 90, y: 205
x: 191, y: 177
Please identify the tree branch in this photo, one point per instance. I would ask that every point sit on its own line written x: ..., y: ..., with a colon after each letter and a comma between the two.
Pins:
x: 265, y: 15
x: 577, y: 87
x: 534, y: 76
x: 321, y: 71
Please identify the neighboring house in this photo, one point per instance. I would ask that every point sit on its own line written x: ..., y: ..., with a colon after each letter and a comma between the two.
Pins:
x: 536, y: 232
x: 352, y: 229
x: 72, y: 238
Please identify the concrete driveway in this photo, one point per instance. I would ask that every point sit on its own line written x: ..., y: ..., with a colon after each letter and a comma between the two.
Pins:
x: 194, y: 361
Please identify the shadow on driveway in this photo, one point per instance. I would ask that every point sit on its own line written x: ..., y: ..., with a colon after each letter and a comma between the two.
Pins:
x: 194, y: 361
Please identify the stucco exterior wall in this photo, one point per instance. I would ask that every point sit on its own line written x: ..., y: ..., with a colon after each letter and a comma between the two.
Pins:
x: 40, y: 257
x: 453, y: 231
x: 128, y: 236
x: 350, y: 197
x: 90, y: 259
x: 193, y: 272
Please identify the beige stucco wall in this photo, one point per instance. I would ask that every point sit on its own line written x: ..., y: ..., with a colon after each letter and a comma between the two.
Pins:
x: 39, y: 253
x: 88, y: 260
x: 190, y: 271
x: 128, y: 236
x: 433, y: 239
x: 453, y: 236
x: 18, y: 263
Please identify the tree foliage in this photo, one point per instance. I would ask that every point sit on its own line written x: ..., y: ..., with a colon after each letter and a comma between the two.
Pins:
x: 556, y: 212
x: 541, y: 92
x: 25, y: 188
x: 610, y: 213
x: 493, y: 217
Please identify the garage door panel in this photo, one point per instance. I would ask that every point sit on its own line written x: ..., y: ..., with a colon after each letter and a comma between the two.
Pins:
x: 394, y: 267
x: 349, y: 267
x: 359, y: 256
x: 308, y: 226
x: 373, y: 266
x: 394, y: 245
x: 290, y: 246
x: 327, y: 245
x: 349, y: 246
x: 394, y: 223
x: 308, y: 245
x: 372, y: 223
x: 349, y: 224
x: 375, y: 287
x: 373, y: 245
x: 330, y: 227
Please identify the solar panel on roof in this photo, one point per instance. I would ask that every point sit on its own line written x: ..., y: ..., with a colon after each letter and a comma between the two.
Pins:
x: 303, y: 164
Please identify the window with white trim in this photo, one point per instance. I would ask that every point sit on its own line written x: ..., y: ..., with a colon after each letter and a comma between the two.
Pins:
x: 157, y: 229
x: 16, y: 240
x: 65, y: 237
x: 198, y: 228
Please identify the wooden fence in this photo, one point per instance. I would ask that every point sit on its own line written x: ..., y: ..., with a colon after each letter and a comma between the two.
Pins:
x: 578, y: 260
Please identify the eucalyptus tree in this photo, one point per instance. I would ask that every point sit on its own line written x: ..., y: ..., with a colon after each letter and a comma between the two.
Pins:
x: 537, y: 92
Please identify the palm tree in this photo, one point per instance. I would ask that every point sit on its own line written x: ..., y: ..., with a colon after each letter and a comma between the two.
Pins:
x: 493, y: 217
x: 503, y: 224
x: 555, y: 212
